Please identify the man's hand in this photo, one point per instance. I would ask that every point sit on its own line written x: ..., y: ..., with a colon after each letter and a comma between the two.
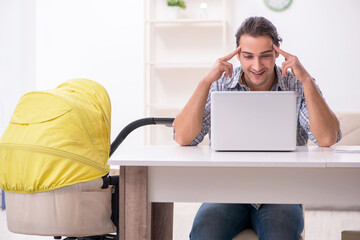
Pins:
x: 323, y: 122
x: 188, y: 122
x: 222, y: 65
x: 294, y: 64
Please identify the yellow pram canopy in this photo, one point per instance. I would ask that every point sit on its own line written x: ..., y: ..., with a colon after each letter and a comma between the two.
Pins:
x: 56, y: 138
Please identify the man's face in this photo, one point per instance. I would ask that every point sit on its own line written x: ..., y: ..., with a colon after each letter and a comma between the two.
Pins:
x: 257, y: 58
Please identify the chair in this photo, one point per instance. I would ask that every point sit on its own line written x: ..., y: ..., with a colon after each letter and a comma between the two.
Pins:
x: 350, y: 235
x: 247, y: 234
x: 350, y: 127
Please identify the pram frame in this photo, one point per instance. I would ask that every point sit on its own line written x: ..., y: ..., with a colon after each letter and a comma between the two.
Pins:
x: 114, y: 180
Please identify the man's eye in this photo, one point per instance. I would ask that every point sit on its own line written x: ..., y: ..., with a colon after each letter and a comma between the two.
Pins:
x: 266, y: 56
x: 248, y: 56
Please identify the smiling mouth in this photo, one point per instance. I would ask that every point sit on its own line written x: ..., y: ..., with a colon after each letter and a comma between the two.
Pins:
x: 258, y: 74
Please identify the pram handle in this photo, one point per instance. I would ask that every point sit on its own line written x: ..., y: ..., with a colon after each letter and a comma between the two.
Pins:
x: 135, y: 124
x: 110, y: 180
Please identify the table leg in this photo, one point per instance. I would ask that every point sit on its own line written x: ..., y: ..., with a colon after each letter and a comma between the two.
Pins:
x: 133, y: 209
x: 139, y: 219
x: 162, y: 221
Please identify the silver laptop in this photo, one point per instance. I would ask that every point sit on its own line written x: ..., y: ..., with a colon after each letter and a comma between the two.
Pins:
x: 253, y: 121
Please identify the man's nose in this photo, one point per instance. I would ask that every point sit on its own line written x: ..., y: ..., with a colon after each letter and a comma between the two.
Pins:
x: 257, y: 64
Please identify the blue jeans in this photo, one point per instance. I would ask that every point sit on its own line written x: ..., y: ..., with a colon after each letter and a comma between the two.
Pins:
x: 216, y: 221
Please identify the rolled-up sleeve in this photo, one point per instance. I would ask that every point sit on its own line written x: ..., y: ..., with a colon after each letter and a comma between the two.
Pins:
x: 206, y: 122
x: 304, y: 123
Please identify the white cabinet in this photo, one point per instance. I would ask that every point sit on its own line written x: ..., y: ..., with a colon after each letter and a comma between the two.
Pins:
x: 179, y: 51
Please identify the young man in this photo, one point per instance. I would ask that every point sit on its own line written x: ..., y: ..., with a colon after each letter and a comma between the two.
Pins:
x: 258, y: 46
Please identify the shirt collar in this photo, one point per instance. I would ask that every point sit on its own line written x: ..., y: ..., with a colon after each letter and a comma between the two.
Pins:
x: 236, y: 80
x: 280, y: 83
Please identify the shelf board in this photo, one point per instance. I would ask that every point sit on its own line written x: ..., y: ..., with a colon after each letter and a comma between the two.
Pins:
x: 187, y: 21
x: 180, y: 65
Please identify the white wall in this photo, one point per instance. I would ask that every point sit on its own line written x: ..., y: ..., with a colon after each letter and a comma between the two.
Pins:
x: 99, y: 40
x: 323, y: 34
x: 17, y: 54
x: 46, y: 42
x: 55, y: 40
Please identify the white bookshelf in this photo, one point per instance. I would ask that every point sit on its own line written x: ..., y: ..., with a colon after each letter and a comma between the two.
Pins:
x: 178, y: 53
x: 187, y: 21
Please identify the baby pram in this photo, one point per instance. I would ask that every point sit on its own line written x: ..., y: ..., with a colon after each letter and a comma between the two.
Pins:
x: 53, y: 163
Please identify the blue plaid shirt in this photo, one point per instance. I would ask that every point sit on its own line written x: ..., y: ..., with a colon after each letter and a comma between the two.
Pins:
x: 288, y: 83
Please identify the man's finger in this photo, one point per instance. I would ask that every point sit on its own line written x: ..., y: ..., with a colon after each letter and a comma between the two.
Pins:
x: 282, y: 52
x: 228, y: 68
x: 231, y: 55
x: 284, y: 68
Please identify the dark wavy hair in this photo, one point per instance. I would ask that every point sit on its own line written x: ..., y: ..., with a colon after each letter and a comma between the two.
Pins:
x: 258, y: 26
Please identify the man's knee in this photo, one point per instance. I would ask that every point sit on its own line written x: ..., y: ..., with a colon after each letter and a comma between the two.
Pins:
x: 219, y: 221
x: 283, y: 221
x: 208, y: 215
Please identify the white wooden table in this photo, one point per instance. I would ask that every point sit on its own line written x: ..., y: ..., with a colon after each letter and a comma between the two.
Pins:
x: 153, y: 177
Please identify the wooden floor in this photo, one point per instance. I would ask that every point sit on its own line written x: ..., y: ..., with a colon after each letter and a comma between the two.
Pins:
x: 318, y: 224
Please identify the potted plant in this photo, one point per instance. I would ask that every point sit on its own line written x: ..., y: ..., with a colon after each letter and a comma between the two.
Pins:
x: 174, y: 7
x: 176, y: 3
